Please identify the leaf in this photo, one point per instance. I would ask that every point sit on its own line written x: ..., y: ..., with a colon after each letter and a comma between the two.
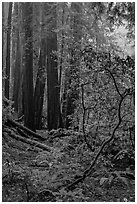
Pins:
x: 62, y: 191
x: 123, y: 179
x: 110, y: 179
x: 103, y: 180
x: 117, y: 173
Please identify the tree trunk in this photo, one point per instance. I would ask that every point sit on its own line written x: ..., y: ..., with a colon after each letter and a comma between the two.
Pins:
x: 8, y: 51
x: 17, y: 69
x: 71, y: 93
x: 22, y: 60
x: 52, y: 84
x: 61, y: 47
x: 3, y: 35
x: 53, y: 90
x: 28, y: 70
x: 41, y: 73
x: 40, y: 86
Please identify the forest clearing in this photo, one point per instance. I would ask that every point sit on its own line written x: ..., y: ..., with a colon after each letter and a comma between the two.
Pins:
x: 68, y: 102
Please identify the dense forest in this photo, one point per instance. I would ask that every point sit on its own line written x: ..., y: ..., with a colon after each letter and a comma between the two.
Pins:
x: 68, y: 101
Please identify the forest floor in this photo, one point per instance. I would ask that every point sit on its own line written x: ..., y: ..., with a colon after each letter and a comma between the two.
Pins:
x: 33, y: 175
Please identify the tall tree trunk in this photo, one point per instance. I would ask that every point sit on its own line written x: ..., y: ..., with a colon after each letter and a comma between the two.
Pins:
x: 41, y: 74
x: 8, y: 51
x: 28, y: 72
x: 17, y: 68
x: 71, y: 93
x: 52, y: 84
x: 40, y: 86
x: 53, y: 95
x: 3, y: 44
x: 61, y: 46
x: 3, y: 35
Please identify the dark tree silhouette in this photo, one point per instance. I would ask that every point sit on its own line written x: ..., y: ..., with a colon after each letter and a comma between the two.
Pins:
x: 28, y: 69
x: 8, y: 51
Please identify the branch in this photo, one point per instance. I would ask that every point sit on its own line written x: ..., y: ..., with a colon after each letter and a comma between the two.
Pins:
x: 84, y: 114
x: 84, y: 108
x: 87, y: 172
x: 114, y: 80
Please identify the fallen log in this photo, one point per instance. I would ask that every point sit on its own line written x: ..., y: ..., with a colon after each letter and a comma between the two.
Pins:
x: 23, y: 134
x: 20, y: 118
x: 16, y: 124
x: 28, y: 141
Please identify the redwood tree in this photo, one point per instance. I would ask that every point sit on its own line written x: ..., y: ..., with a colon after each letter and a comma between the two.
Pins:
x: 71, y: 93
x: 41, y: 73
x: 7, y: 72
x: 28, y: 69
x: 52, y: 84
x: 40, y: 86
x: 53, y: 96
x: 17, y: 68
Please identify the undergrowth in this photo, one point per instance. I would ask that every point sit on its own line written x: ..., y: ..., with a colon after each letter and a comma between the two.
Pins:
x: 32, y: 175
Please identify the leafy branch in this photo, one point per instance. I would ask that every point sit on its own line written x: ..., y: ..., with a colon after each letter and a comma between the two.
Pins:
x: 87, y: 172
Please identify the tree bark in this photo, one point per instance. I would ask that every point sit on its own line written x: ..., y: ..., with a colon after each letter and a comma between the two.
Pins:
x: 40, y: 86
x: 61, y: 47
x: 17, y: 69
x: 72, y: 74
x: 28, y: 71
x: 52, y: 84
x: 53, y: 90
x: 41, y: 73
x: 3, y: 19
x: 8, y: 51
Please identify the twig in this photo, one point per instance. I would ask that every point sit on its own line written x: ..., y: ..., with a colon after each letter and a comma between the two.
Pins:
x: 130, y: 135
x: 27, y: 191
x: 20, y: 118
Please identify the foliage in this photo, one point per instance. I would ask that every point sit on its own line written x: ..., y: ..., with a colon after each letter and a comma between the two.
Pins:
x: 44, y: 176
x: 123, y: 176
x: 119, y: 11
x: 7, y: 110
x: 96, y: 82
